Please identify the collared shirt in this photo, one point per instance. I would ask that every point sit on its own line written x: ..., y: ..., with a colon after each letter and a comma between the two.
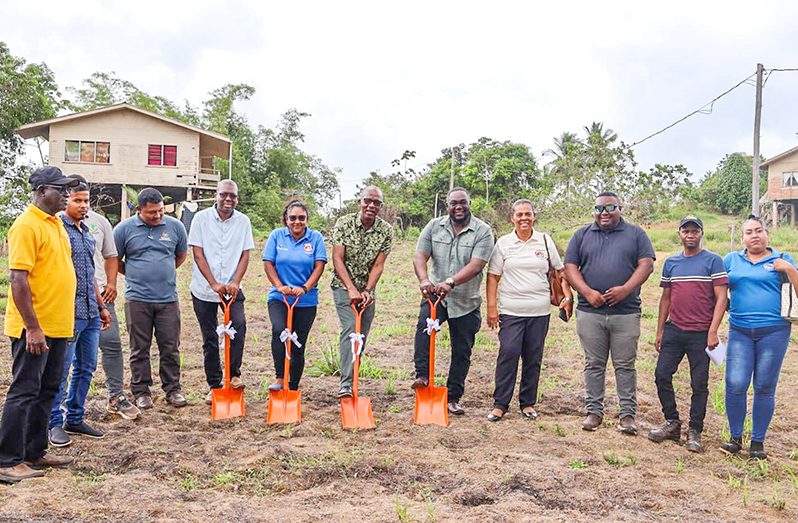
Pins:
x: 83, y: 244
x: 361, y: 246
x: 222, y: 242
x: 692, y: 280
x: 449, y: 253
x: 294, y: 260
x: 755, y: 289
x: 608, y: 259
x: 38, y: 244
x: 149, y: 255
x: 100, y: 228
x: 523, y: 266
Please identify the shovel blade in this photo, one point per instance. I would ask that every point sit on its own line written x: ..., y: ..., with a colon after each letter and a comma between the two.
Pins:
x: 356, y: 413
x: 227, y: 403
x: 431, y: 405
x: 285, y: 406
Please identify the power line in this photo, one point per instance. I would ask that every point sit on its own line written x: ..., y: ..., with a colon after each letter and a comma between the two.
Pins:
x: 701, y: 110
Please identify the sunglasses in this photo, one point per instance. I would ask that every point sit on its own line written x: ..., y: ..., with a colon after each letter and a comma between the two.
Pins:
x: 369, y: 201
x: 63, y: 189
x: 297, y: 218
x: 609, y: 208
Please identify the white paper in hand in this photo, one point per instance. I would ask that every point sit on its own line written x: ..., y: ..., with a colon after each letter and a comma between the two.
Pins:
x: 718, y: 354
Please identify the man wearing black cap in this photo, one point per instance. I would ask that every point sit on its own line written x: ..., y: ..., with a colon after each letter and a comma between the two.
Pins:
x: 693, y: 301
x: 41, y: 278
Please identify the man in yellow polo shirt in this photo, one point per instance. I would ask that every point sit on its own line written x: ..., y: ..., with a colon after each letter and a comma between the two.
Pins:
x: 39, y: 320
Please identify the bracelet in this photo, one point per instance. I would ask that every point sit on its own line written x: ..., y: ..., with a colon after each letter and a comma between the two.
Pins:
x: 566, y: 300
x: 304, y: 288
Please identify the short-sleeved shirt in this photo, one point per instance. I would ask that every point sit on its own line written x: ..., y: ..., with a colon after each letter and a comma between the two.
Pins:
x: 692, y: 281
x: 361, y: 246
x: 100, y: 228
x: 294, y: 260
x: 523, y: 267
x: 222, y: 243
x: 755, y: 290
x: 149, y: 256
x: 83, y: 246
x: 449, y: 253
x: 608, y: 259
x: 38, y: 244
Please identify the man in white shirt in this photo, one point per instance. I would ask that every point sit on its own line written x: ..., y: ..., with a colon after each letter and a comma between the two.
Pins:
x: 220, y: 238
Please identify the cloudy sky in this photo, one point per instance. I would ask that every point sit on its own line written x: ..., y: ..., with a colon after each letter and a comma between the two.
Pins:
x: 382, y: 77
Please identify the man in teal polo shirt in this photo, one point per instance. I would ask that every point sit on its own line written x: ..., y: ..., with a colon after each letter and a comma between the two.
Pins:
x: 151, y: 247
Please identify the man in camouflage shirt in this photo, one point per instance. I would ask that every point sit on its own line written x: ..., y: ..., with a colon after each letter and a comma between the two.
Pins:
x: 361, y: 243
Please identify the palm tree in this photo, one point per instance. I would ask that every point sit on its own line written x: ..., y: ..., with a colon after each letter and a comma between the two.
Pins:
x: 598, y: 136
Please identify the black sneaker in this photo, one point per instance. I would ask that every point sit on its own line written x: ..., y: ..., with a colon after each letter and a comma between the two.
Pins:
x: 757, y: 451
x: 693, y: 440
x: 58, y: 437
x: 731, y: 447
x: 84, y: 429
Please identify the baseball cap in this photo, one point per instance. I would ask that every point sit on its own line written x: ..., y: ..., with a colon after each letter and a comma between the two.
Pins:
x: 691, y: 219
x: 50, y: 175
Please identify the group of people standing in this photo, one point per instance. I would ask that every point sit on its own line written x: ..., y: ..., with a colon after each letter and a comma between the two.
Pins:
x: 60, y: 248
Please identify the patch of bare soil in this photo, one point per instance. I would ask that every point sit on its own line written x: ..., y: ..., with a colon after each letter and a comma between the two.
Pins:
x: 178, y: 465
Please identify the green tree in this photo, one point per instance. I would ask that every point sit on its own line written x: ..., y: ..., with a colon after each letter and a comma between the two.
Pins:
x: 728, y: 188
x: 28, y: 93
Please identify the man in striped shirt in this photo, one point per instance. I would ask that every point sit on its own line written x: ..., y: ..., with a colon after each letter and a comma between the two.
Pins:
x: 693, y: 301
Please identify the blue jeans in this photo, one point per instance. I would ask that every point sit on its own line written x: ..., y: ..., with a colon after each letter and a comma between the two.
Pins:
x: 81, y: 355
x: 758, y: 352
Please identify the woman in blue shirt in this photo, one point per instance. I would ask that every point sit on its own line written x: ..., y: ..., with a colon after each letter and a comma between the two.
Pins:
x: 294, y: 259
x: 758, y: 334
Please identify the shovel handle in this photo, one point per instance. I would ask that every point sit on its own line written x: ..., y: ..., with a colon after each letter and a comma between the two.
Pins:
x: 433, y: 307
x: 433, y: 314
x: 227, y: 301
x: 289, y: 324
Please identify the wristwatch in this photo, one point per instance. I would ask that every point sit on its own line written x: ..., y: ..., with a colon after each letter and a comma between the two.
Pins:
x: 304, y: 289
x: 450, y: 282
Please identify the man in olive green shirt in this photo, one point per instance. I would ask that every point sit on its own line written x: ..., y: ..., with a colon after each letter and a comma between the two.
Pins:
x: 459, y: 245
x: 361, y: 243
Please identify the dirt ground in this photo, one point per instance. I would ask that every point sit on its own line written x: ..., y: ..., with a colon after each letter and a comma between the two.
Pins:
x: 178, y: 465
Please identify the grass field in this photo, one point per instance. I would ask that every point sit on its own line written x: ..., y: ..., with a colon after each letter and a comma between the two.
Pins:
x: 178, y: 465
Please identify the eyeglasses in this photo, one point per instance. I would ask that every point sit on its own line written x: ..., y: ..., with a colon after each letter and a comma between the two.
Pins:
x: 63, y: 189
x: 226, y: 195
x: 369, y: 201
x: 609, y: 208
x: 297, y: 218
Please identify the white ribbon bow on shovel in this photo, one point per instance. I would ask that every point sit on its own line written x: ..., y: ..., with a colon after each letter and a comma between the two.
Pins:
x: 288, y: 335
x: 221, y: 329
x: 356, y: 338
x: 432, y: 325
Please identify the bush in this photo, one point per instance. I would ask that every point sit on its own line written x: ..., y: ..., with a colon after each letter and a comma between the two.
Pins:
x: 412, y: 233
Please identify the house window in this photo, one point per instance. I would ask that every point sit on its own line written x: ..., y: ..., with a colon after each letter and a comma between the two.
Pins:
x: 789, y: 179
x: 87, y: 152
x: 165, y: 155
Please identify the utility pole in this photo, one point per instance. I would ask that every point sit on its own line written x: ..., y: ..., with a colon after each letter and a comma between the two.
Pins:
x: 757, y: 121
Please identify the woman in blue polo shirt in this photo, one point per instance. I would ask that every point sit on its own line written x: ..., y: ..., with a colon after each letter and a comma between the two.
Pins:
x: 293, y: 258
x: 758, y: 335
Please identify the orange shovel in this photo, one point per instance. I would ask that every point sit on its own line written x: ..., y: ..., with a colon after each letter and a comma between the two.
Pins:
x: 356, y: 412
x: 227, y: 402
x: 431, y: 401
x: 285, y: 406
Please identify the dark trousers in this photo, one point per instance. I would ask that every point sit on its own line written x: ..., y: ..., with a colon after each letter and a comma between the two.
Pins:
x: 35, y: 381
x: 676, y: 343
x: 519, y: 337
x: 164, y: 318
x: 303, y: 321
x: 206, y: 312
x: 462, y: 332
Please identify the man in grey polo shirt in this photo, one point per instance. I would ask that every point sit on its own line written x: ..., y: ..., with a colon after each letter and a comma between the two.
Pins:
x: 459, y: 246
x: 607, y: 262
x: 151, y: 247
x: 220, y: 239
